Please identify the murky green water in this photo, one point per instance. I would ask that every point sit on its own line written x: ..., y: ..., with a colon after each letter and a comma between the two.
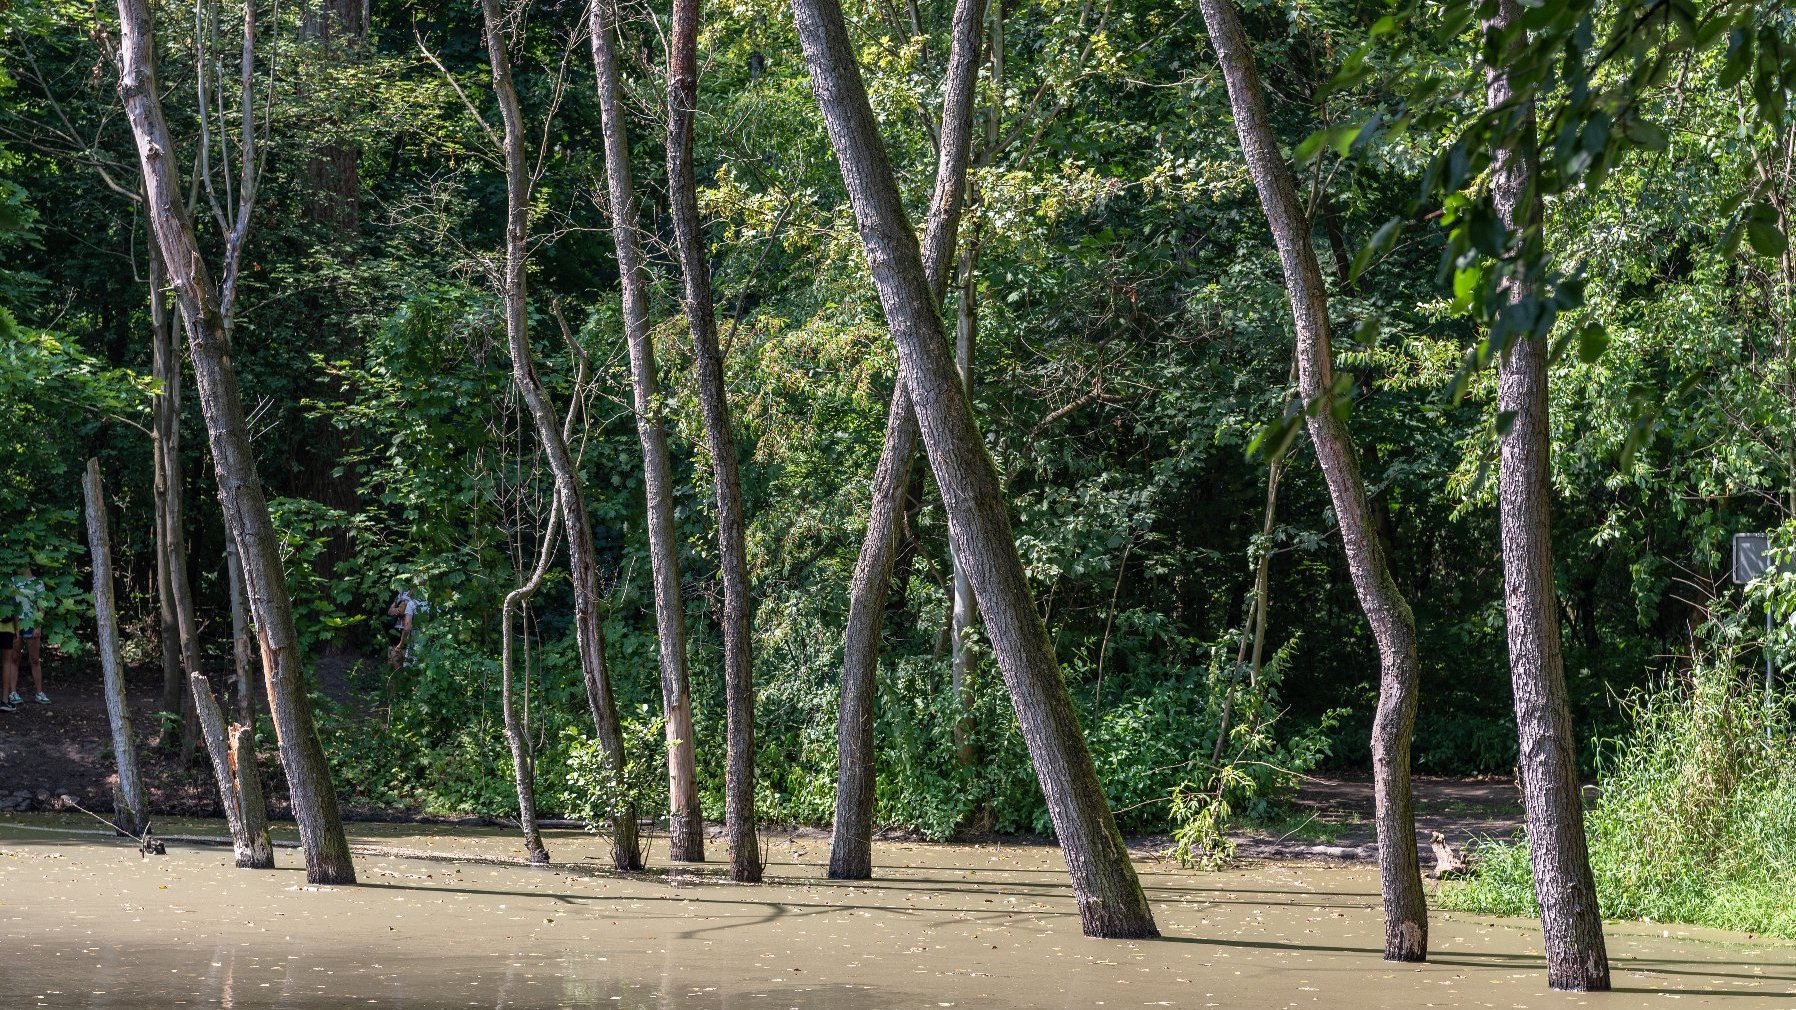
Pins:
x: 86, y: 922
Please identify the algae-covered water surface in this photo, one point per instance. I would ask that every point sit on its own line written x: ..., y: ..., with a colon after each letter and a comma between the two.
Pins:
x: 85, y: 921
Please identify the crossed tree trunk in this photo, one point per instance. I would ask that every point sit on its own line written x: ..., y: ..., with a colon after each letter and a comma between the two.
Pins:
x: 1109, y: 895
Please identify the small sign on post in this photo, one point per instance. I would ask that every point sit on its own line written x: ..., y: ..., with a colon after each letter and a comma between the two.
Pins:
x: 1752, y: 557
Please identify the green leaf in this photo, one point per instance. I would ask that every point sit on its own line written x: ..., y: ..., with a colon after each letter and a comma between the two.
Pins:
x: 1593, y: 340
x: 1766, y: 238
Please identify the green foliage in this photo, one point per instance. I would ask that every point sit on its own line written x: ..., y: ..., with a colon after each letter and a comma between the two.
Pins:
x: 1696, y: 816
x: 593, y: 788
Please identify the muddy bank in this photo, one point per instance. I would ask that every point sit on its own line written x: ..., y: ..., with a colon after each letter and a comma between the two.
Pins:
x: 86, y: 922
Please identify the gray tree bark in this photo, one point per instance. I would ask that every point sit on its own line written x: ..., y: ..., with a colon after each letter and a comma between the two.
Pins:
x: 583, y: 568
x: 720, y: 440
x: 180, y: 635
x: 851, y: 841
x: 251, y: 847
x: 249, y: 794
x: 242, y: 657
x: 1393, y: 625
x: 1109, y: 895
x: 239, y: 486
x: 686, y: 821
x: 1577, y: 957
x: 132, y: 809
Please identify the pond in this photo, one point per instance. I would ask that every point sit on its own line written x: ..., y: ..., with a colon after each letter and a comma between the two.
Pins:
x: 441, y: 918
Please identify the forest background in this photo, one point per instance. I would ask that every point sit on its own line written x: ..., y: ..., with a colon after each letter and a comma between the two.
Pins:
x: 1134, y: 339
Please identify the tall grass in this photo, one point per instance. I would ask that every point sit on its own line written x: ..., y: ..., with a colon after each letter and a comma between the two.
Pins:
x: 1696, y: 820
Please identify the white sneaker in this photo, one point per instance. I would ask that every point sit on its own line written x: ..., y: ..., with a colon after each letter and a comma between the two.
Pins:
x: 14, y: 699
x: 42, y: 698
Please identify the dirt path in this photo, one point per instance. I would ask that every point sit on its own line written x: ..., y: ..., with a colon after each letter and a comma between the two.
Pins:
x: 1332, y: 817
x: 64, y: 749
x: 87, y: 923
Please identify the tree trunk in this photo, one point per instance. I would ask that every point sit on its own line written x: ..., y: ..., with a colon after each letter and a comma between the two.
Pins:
x: 1577, y: 958
x: 523, y: 764
x: 132, y: 810
x: 1109, y: 895
x: 249, y: 794
x: 686, y: 821
x: 242, y: 660
x: 583, y: 566
x: 851, y: 841
x: 239, y: 487
x: 180, y: 639
x: 720, y: 439
x: 965, y: 609
x: 1393, y: 625
x: 252, y: 853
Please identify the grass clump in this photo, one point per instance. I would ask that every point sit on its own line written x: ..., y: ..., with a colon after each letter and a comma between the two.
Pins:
x: 1696, y: 820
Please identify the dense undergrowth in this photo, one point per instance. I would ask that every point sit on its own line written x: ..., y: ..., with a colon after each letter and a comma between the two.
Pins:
x: 1696, y: 820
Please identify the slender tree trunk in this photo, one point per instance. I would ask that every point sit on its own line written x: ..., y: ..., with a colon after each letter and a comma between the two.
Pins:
x: 1109, y: 895
x: 965, y: 608
x: 242, y: 658
x: 180, y: 639
x: 132, y: 810
x: 239, y: 487
x: 720, y: 439
x: 252, y: 852
x: 1393, y: 625
x: 523, y: 763
x: 1577, y: 957
x: 583, y: 566
x: 686, y: 821
x: 1253, y: 626
x: 851, y: 842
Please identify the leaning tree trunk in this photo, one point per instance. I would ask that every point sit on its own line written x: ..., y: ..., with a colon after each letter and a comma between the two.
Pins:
x: 720, y: 440
x: 313, y: 800
x: 132, y: 810
x: 1109, y: 895
x: 1393, y: 626
x: 1577, y: 957
x: 851, y: 841
x: 233, y: 762
x: 583, y: 565
x: 686, y: 821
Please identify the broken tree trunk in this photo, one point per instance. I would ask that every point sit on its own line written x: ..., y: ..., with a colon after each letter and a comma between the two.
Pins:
x: 240, y: 493
x: 231, y: 759
x: 132, y: 812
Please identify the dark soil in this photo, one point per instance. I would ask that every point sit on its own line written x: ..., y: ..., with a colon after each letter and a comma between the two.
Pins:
x: 52, y: 753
